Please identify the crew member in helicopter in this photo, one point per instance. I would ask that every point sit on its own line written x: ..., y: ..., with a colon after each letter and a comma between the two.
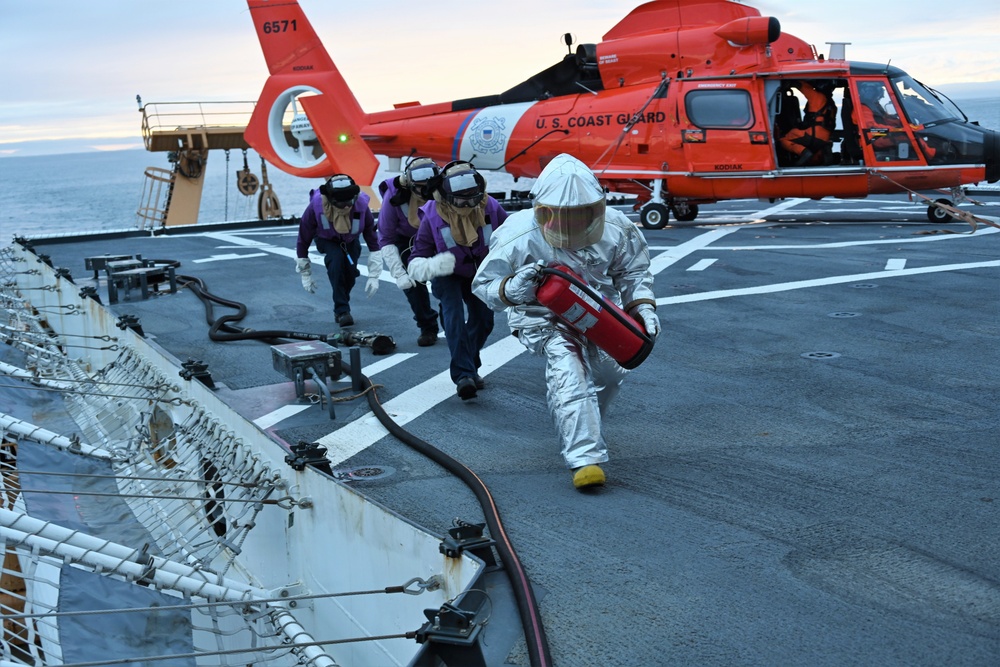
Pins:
x: 398, y: 220
x: 337, y: 217
x: 882, y: 125
x: 570, y: 224
x: 810, y: 140
x: 453, y: 238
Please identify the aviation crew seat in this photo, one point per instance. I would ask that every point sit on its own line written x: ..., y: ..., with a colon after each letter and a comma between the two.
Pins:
x: 789, y: 116
x: 850, y: 148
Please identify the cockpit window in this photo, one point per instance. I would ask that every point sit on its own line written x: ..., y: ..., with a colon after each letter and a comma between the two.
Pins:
x: 719, y: 109
x: 922, y: 106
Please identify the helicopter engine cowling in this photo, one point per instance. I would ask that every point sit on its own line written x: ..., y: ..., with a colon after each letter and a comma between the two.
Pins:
x: 751, y: 30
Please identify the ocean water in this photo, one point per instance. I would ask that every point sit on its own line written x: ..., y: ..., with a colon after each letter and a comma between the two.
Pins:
x: 101, y: 191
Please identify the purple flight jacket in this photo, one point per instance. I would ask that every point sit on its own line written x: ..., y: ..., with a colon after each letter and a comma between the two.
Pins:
x: 393, y: 227
x: 315, y: 225
x: 434, y: 236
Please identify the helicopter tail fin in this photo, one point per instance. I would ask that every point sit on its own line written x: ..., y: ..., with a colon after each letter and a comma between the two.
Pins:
x: 307, y: 122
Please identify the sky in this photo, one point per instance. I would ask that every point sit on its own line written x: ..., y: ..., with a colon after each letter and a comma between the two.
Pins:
x: 70, y: 71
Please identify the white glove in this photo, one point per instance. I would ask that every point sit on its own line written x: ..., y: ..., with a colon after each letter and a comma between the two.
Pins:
x: 304, y: 267
x: 394, y: 263
x: 425, y: 268
x: 520, y: 287
x: 374, y: 271
x: 646, y: 314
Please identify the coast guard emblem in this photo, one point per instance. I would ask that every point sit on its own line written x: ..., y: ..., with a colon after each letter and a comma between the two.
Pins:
x: 486, y: 135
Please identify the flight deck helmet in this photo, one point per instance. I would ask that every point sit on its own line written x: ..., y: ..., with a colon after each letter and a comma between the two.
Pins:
x: 419, y: 175
x: 461, y: 185
x: 870, y: 93
x: 340, y: 190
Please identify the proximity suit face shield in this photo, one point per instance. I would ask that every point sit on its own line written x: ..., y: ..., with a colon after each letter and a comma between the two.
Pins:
x: 571, y: 227
x: 569, y: 204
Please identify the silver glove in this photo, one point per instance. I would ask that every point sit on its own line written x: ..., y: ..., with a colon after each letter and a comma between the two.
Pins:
x: 520, y: 287
x: 646, y: 314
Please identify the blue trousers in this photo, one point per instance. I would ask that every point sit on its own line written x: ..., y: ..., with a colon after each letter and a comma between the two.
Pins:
x: 420, y: 303
x: 465, y: 337
x: 341, y: 261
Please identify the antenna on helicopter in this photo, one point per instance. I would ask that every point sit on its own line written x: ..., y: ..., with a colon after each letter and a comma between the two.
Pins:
x: 568, y: 39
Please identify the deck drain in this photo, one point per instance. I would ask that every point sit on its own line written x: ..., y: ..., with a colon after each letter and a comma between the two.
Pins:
x: 844, y: 314
x: 865, y: 286
x: 364, y: 473
x: 820, y: 355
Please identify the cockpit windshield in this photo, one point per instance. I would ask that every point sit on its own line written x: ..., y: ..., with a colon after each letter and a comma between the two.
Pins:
x: 923, y: 106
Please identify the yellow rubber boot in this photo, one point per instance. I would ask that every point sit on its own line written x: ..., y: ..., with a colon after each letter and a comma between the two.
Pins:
x: 588, y: 476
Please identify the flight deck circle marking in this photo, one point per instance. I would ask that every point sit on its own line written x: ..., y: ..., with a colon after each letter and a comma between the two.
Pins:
x: 820, y: 355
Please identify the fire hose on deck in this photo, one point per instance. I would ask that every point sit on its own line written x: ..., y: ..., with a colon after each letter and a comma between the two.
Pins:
x: 221, y: 329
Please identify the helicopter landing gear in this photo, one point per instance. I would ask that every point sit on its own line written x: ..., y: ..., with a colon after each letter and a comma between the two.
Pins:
x: 939, y: 215
x: 654, y: 215
x: 683, y: 211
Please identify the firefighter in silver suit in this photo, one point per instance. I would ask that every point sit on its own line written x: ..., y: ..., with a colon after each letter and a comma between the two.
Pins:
x: 570, y: 224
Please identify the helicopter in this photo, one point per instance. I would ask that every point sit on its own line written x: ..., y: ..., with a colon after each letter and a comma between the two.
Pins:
x: 683, y: 103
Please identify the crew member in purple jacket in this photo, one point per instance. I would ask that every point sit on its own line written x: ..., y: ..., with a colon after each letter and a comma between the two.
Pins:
x: 398, y: 220
x: 337, y: 217
x: 453, y: 239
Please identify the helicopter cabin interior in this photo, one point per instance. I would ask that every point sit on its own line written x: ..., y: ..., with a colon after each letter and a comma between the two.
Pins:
x: 821, y: 122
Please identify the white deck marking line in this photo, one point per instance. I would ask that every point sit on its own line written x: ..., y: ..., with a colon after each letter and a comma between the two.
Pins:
x: 777, y: 208
x: 673, y: 255
x: 702, y: 264
x: 851, y: 244
x: 895, y: 264
x: 236, y: 239
x: 284, y: 412
x: 677, y: 253
x: 365, y: 431
x: 222, y: 258
x: 382, y: 364
x: 285, y: 252
x: 821, y: 282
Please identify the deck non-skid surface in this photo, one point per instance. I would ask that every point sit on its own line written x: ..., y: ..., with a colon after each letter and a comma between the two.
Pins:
x: 804, y: 472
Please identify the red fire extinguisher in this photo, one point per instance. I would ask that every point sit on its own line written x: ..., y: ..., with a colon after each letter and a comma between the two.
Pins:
x: 600, y: 321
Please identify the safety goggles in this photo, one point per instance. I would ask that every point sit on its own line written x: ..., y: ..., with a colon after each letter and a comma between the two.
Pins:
x: 462, y: 190
x: 422, y: 174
